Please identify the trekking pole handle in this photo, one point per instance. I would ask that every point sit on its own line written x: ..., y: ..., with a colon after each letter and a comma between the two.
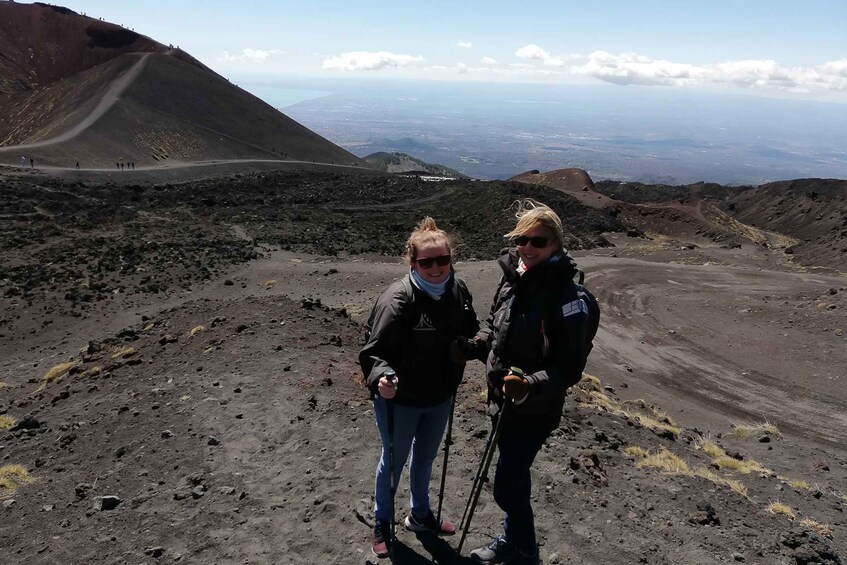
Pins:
x: 391, y: 376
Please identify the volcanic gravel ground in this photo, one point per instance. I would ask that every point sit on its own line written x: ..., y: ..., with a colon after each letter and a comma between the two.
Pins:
x: 219, y: 418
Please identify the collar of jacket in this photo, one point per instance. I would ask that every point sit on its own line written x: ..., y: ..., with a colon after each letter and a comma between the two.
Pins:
x: 448, y: 289
x: 564, y: 269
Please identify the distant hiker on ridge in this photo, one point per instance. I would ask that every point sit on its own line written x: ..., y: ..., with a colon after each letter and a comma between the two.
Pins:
x: 409, y: 362
x: 533, y: 347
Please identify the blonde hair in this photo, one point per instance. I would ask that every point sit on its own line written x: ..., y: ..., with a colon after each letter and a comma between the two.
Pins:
x: 426, y: 234
x: 531, y: 214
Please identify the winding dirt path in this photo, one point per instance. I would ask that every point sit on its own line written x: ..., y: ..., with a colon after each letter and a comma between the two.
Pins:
x: 110, y: 97
x: 746, y: 343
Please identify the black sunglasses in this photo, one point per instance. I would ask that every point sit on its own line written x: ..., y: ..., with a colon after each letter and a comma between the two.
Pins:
x: 426, y: 262
x: 538, y: 242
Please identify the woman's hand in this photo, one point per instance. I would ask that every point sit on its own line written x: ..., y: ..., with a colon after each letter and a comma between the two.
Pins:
x: 515, y: 386
x: 386, y: 388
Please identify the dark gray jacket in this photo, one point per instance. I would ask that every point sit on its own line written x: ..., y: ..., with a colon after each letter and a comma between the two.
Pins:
x: 536, y: 323
x: 411, y: 333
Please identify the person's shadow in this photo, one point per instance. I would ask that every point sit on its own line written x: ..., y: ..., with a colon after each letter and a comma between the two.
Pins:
x: 439, y: 551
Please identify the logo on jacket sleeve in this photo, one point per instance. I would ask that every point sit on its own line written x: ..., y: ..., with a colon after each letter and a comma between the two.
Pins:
x: 424, y: 324
x: 574, y: 307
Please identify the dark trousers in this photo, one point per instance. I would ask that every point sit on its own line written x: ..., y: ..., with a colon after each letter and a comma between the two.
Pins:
x: 513, y: 484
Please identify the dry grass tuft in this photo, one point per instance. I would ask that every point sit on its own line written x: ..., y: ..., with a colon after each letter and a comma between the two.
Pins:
x: 669, y: 462
x: 747, y: 466
x: 270, y: 282
x: 655, y: 423
x: 780, y: 508
x: 724, y: 461
x: 817, y: 527
x: 732, y: 484
x: 11, y: 477
x: 7, y: 422
x: 123, y: 352
x: 800, y: 484
x: 665, y: 460
x: 198, y: 329
x: 591, y: 394
x: 709, y: 447
x: 746, y: 431
x: 636, y: 452
x: 59, y: 371
x: 149, y: 327
x: 590, y: 382
x: 600, y: 400
x: 92, y: 372
x: 2, y: 385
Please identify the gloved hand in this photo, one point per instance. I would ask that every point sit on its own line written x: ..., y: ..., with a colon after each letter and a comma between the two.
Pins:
x: 470, y: 348
x: 515, y: 386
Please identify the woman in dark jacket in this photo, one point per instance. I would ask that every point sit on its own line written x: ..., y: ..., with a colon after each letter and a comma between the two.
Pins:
x: 413, y: 328
x: 536, y: 326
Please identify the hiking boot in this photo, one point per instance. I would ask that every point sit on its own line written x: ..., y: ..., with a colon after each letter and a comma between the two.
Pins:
x: 380, y: 541
x: 429, y: 524
x: 521, y: 558
x: 498, y: 551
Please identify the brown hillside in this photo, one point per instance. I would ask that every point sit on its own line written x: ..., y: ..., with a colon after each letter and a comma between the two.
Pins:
x: 41, y: 44
x: 47, y: 111
x: 99, y: 94
x: 576, y: 182
x: 811, y: 211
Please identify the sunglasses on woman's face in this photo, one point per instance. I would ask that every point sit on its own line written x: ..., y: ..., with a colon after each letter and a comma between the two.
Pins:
x: 538, y: 242
x: 426, y: 262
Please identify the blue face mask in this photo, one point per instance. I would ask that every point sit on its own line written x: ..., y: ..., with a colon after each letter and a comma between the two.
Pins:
x: 435, y: 290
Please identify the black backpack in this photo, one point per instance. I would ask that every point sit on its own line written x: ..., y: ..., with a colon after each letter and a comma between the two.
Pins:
x: 592, y: 321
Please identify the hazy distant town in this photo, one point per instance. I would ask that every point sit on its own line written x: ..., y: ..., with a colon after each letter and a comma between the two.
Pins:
x: 648, y: 135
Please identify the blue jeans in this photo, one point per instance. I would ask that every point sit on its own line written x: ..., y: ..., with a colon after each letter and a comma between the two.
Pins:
x: 416, y: 429
x: 513, y: 483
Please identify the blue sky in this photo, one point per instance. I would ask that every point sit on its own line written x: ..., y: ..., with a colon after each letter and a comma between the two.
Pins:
x: 770, y: 48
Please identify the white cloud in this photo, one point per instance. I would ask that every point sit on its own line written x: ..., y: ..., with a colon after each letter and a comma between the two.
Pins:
x: 632, y: 68
x: 462, y: 68
x: 464, y: 44
x: 532, y: 51
x: 369, y: 60
x: 249, y: 54
x: 488, y: 61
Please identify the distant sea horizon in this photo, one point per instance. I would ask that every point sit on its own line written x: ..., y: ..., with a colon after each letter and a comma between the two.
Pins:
x: 495, y: 131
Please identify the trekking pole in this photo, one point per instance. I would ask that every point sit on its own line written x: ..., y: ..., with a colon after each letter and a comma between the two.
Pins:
x: 448, y: 441
x: 389, y: 403
x: 478, y: 475
x: 486, y: 462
